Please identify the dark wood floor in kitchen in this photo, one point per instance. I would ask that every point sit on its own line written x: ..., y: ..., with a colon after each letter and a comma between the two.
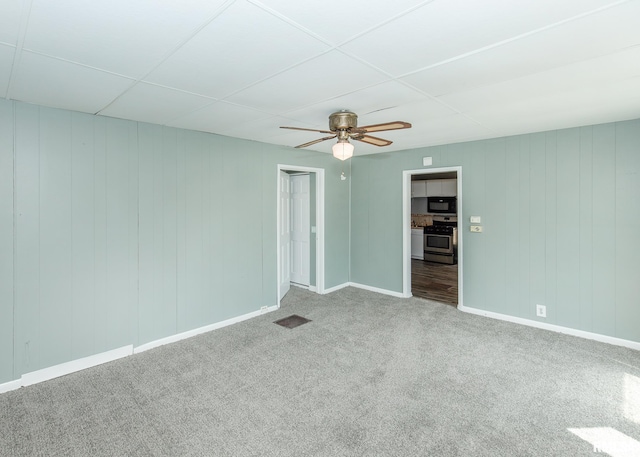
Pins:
x: 434, y: 281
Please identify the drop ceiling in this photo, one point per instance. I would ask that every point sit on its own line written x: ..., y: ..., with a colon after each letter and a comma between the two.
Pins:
x: 458, y: 70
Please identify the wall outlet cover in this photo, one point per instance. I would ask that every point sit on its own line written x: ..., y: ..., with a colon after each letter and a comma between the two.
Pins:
x: 475, y: 219
x: 541, y: 311
x: 476, y: 228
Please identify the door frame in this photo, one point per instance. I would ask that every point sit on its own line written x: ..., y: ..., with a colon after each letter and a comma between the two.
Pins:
x: 319, y: 172
x: 406, y: 226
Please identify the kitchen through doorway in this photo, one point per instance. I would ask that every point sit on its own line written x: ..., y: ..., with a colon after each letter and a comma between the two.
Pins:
x: 433, y: 242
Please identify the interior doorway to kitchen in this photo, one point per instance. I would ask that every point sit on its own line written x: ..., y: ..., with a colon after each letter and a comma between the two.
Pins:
x: 433, y: 270
x: 300, y: 229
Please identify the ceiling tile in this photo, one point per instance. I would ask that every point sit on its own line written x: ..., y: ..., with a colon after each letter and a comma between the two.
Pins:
x: 51, y: 82
x: 583, y: 106
x: 122, y: 36
x: 10, y: 16
x: 442, y: 30
x: 441, y: 130
x: 337, y: 20
x: 155, y: 104
x: 242, y: 46
x: 6, y: 63
x: 322, y: 78
x: 570, y: 42
x: 553, y: 83
x: 379, y: 97
x: 219, y: 117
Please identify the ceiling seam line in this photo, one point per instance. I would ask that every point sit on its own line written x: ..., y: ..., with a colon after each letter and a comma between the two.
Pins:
x: 22, y: 34
x: 184, y: 41
x: 515, y: 38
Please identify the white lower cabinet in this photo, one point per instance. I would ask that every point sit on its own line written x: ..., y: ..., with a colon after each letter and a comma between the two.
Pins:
x: 417, y: 244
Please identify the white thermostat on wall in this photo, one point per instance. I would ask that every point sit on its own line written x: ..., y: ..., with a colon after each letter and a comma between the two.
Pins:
x: 475, y: 219
x: 426, y: 161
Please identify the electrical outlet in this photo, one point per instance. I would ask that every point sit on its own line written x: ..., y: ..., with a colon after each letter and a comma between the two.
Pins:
x: 476, y: 228
x: 264, y: 309
x: 541, y: 311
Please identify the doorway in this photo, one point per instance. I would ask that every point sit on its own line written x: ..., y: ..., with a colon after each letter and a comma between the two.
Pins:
x: 300, y: 229
x: 437, y: 280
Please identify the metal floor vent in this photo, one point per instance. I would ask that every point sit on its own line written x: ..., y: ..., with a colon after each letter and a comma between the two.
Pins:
x: 292, y: 321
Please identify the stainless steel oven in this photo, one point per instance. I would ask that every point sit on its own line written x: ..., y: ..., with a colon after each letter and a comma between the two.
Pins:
x: 441, y: 240
x: 438, y: 242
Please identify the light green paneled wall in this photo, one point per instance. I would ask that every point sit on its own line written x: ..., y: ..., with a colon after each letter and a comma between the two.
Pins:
x: 559, y: 212
x: 127, y: 232
x: 6, y: 241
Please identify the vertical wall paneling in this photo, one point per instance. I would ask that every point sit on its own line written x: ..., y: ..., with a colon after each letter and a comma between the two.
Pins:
x: 121, y: 142
x: 525, y: 309
x: 360, y: 264
x: 6, y: 240
x: 551, y: 225
x: 133, y: 235
x: 148, y: 291
x: 586, y: 228
x: 122, y: 233
x: 27, y: 239
x: 604, y: 229
x: 100, y: 298
x: 494, y: 225
x: 214, y: 196
x: 474, y: 204
x: 537, y: 220
x: 166, y: 192
x: 568, y: 228
x: 627, y: 227
x: 512, y: 191
x: 55, y: 236
x: 82, y: 235
x: 182, y: 289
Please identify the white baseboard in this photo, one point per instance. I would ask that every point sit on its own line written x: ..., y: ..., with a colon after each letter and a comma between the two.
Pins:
x: 380, y: 291
x: 336, y: 288
x: 554, y: 328
x: 9, y: 386
x: 62, y: 369
x: 312, y: 289
x: 200, y: 330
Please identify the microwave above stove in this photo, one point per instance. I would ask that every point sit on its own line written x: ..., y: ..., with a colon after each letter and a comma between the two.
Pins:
x: 441, y: 205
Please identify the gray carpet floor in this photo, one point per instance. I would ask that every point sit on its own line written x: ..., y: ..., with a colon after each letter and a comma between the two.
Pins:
x: 371, y: 375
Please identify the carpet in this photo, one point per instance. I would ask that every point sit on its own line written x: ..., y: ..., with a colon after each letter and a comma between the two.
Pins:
x: 371, y: 376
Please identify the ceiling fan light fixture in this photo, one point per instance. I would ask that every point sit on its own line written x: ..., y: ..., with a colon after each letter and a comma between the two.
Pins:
x: 342, y: 150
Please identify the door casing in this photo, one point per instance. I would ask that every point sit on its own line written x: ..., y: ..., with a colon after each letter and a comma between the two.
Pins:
x: 406, y: 227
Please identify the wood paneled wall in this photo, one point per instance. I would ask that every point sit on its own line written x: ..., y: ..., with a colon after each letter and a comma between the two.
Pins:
x: 115, y: 232
x: 559, y: 209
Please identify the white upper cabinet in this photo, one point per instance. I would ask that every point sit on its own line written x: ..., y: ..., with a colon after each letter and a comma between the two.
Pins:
x: 418, y: 189
x: 449, y: 187
x: 442, y: 188
x: 434, y: 188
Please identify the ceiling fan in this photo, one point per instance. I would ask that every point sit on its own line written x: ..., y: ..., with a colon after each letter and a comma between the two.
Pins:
x: 344, y: 126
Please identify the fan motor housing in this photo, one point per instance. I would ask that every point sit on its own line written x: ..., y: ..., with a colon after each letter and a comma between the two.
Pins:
x: 343, y: 120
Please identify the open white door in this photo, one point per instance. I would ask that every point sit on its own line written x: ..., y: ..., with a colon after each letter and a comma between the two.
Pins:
x: 300, y: 229
x: 285, y: 234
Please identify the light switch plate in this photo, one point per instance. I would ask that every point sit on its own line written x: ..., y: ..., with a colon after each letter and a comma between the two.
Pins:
x: 476, y: 228
x: 475, y: 219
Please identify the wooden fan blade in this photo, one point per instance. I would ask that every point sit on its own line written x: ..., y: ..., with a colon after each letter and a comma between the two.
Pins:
x: 316, y: 141
x: 396, y: 125
x: 308, y: 130
x: 372, y: 140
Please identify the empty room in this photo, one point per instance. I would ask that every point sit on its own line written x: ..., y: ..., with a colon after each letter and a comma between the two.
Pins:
x: 278, y: 228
